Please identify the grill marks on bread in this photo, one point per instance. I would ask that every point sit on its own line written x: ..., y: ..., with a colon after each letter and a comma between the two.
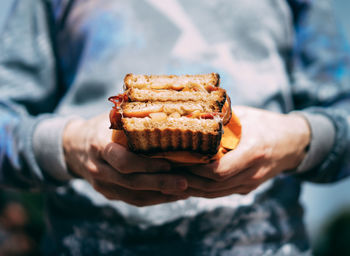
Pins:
x: 159, y: 114
x: 174, y: 134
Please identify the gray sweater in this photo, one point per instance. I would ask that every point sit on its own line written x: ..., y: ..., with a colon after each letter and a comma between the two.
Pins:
x: 60, y: 60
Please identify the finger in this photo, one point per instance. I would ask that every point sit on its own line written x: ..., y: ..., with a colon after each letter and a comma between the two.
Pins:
x: 229, y: 165
x: 137, y: 198
x: 127, y: 162
x: 241, y: 190
x: 240, y: 111
x: 141, y: 181
x: 181, y: 193
x: 208, y: 185
x: 204, y: 170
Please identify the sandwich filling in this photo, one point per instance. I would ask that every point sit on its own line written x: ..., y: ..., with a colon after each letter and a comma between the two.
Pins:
x: 160, y: 113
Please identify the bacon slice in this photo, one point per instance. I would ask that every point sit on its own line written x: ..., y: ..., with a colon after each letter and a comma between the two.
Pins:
x: 207, y: 116
x: 115, y: 118
x: 227, y: 111
x: 119, y: 99
x: 211, y: 88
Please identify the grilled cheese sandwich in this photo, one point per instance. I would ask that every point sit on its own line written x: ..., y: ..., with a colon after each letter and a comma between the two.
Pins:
x: 167, y: 113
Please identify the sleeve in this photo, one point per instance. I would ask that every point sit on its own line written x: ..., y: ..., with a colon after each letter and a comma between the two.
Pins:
x: 29, y: 93
x: 320, y: 75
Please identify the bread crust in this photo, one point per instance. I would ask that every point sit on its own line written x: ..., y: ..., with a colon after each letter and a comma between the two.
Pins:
x: 170, y: 81
x: 147, y: 135
x: 158, y: 140
x: 150, y: 102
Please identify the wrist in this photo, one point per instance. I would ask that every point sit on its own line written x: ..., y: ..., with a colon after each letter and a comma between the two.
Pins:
x: 72, y: 141
x: 302, y: 137
x: 48, y: 146
x: 321, y: 142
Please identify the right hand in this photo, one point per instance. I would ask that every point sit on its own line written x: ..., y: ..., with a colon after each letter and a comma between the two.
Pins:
x: 115, y: 172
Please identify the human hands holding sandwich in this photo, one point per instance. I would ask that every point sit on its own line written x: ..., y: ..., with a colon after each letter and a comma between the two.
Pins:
x: 114, y: 171
x: 270, y: 144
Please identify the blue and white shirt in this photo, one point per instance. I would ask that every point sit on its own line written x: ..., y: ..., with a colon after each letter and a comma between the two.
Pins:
x: 62, y: 58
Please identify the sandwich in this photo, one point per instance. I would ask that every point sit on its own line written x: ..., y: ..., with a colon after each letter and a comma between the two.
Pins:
x: 171, y: 113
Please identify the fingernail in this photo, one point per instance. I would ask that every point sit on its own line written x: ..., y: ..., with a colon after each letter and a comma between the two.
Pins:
x: 181, y: 184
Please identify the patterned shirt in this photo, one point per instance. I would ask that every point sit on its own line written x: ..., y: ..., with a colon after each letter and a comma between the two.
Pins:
x: 62, y: 58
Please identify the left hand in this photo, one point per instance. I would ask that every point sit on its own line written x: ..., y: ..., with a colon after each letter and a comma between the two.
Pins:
x: 271, y: 143
x: 114, y: 171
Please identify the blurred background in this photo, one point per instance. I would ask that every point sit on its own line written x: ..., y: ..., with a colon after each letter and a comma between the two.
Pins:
x: 327, y: 206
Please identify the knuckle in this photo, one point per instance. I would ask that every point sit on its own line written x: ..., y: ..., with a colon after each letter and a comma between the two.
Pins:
x: 259, y: 176
x: 221, y: 175
x: 92, y: 168
x: 123, y: 167
x: 267, y: 152
x: 95, y: 148
x: 258, y: 156
x: 106, y: 151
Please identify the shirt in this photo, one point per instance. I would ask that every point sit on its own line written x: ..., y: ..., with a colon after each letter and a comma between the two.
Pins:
x: 62, y: 59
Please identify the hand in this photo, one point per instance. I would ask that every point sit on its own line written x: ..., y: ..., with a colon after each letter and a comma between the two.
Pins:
x: 112, y: 170
x: 271, y: 143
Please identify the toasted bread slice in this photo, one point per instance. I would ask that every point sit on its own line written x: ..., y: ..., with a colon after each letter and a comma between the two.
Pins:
x: 171, y: 113
x: 183, y: 123
x: 143, y: 109
x: 172, y: 82
x: 148, y: 135
x: 217, y: 97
